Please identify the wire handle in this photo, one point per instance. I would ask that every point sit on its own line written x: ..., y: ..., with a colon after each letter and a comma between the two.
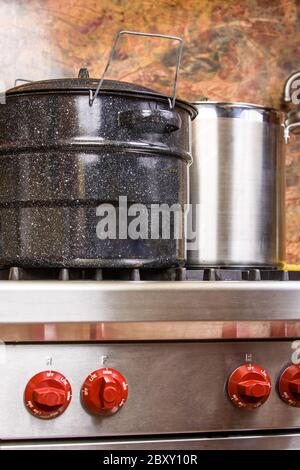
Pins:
x: 93, y: 96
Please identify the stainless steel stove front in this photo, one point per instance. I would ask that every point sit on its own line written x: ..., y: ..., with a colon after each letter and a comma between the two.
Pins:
x: 175, y: 342
x: 173, y: 388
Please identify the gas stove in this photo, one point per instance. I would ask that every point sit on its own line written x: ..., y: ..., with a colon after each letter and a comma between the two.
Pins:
x: 128, y: 359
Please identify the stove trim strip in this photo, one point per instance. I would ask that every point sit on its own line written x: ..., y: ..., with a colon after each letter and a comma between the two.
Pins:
x: 148, y: 331
x: 232, y: 442
x: 43, y: 302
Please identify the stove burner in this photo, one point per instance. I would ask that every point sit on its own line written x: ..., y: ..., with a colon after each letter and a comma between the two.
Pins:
x: 170, y: 274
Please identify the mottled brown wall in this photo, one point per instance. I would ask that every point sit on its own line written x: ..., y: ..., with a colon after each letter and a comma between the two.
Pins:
x: 234, y: 50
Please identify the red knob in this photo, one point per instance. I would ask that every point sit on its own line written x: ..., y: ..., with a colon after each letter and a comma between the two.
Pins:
x: 47, y: 394
x: 249, y: 386
x: 289, y: 385
x: 104, y: 391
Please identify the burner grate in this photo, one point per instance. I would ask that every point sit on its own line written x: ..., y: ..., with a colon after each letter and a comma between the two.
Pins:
x: 170, y: 274
x: 75, y: 274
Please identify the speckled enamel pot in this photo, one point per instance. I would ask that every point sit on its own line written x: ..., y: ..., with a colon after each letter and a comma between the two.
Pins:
x: 60, y: 158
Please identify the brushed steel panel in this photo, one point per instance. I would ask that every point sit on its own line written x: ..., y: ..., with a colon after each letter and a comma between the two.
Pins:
x: 173, y: 388
x: 39, y: 302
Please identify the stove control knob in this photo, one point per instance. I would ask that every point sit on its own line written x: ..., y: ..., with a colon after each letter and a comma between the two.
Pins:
x: 289, y: 385
x: 249, y: 386
x: 104, y: 391
x: 47, y: 394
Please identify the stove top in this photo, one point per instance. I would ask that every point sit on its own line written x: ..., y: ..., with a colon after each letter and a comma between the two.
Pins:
x: 85, y: 305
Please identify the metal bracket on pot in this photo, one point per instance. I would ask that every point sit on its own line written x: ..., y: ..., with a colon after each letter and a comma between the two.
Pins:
x: 93, y: 96
x: 290, y: 128
x: 292, y: 121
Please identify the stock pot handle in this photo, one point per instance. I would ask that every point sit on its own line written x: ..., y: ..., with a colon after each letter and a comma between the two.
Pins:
x: 158, y: 121
x: 288, y: 85
x: 93, y: 96
x: 292, y: 121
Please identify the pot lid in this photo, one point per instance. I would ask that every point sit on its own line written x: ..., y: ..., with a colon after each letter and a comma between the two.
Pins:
x: 78, y: 84
x: 84, y: 84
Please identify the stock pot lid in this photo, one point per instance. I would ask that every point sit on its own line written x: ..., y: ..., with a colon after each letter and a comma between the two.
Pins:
x: 78, y: 84
x: 83, y: 84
